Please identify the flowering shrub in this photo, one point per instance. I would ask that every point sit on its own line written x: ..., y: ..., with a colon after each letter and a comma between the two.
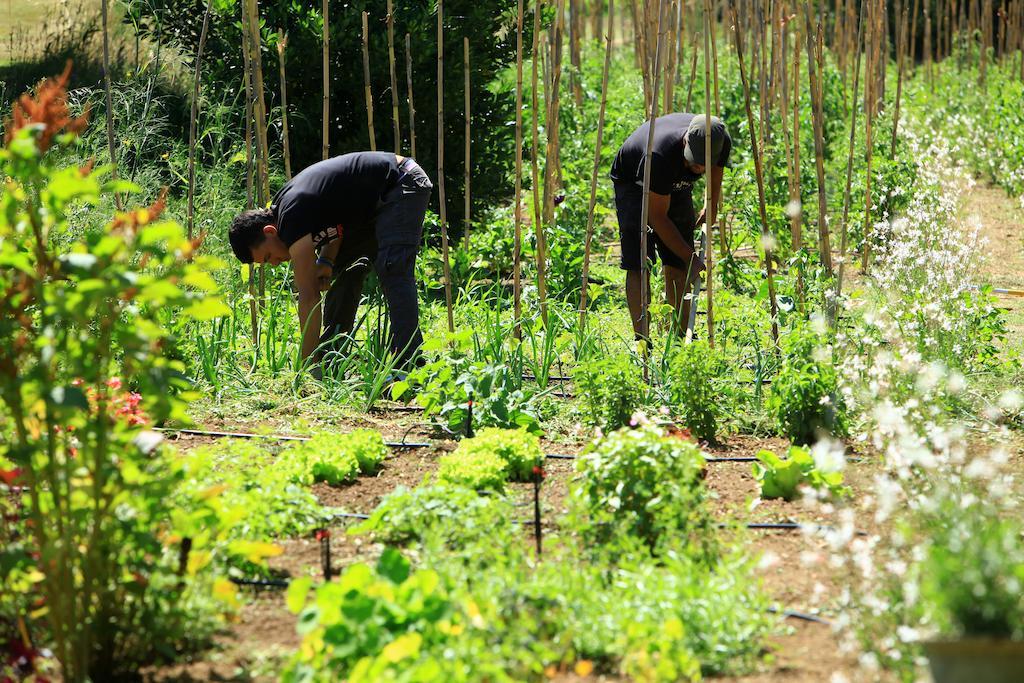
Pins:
x: 804, y: 397
x: 96, y: 490
x: 611, y: 389
x: 641, y: 483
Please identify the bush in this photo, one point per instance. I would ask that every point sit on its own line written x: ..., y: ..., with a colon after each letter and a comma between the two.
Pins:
x: 611, y: 389
x: 692, y: 389
x: 75, y: 313
x: 519, y: 449
x: 458, y: 516
x: 641, y: 483
x: 477, y: 470
x: 804, y: 400
x: 784, y: 478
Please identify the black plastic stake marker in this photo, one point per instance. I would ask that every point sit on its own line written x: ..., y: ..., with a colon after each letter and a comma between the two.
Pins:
x: 469, y: 417
x: 324, y: 536
x: 183, y: 553
x: 538, y: 477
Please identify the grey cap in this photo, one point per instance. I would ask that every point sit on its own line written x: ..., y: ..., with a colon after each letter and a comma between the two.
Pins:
x: 696, y: 135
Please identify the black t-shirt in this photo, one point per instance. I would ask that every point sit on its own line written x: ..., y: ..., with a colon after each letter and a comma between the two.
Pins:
x: 668, y: 172
x: 341, y: 191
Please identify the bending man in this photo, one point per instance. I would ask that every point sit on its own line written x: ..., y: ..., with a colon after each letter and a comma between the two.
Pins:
x: 677, y: 161
x: 332, y: 221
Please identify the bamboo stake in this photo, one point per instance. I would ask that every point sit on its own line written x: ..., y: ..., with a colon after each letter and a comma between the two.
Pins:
x: 869, y: 105
x: 708, y: 208
x: 282, y: 43
x: 791, y: 151
x: 366, y: 81
x: 517, y: 249
x: 597, y: 164
x: 912, y: 44
x: 693, y: 72
x: 250, y: 200
x: 394, y: 78
x: 193, y: 115
x: 714, y: 64
x: 262, y: 147
x: 645, y: 323
x: 766, y: 236
x: 467, y: 207
x: 408, y: 85
x: 534, y: 150
x: 440, y: 165
x: 899, y: 82
x: 325, y: 151
x: 849, y: 159
x: 824, y: 248
x: 110, y: 100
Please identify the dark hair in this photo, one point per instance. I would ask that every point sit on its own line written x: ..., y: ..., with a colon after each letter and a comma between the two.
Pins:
x: 247, y: 232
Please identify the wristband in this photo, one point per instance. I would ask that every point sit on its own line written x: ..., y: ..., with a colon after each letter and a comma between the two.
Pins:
x: 324, y: 261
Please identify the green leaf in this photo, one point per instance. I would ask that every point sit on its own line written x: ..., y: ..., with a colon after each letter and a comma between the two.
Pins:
x: 207, y: 309
x: 393, y: 566
x: 298, y: 589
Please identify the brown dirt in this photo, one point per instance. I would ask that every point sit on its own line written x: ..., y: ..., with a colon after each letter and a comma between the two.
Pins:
x: 1002, y: 225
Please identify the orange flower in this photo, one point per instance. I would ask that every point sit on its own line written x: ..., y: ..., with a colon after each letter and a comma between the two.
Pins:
x: 49, y: 107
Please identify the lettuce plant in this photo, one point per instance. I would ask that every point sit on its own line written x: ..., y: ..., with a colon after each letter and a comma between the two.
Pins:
x: 475, y: 469
x: 783, y: 478
x: 333, y: 458
x: 519, y: 449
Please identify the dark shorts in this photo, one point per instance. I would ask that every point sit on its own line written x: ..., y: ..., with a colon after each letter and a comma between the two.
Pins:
x: 628, y: 207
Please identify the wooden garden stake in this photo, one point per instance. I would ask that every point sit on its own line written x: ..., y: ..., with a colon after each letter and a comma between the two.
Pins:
x: 899, y: 83
x: 645, y: 323
x: 813, y: 64
x: 517, y: 283
x: 869, y: 107
x: 260, y: 106
x: 282, y: 43
x: 766, y: 237
x: 193, y: 115
x: 440, y: 165
x: 466, y: 111
x: 408, y: 85
x: 709, y: 210
x: 397, y: 131
x: 366, y: 81
x: 597, y: 164
x: 325, y: 151
x: 693, y: 73
x: 327, y: 83
x: 551, y: 113
x: 849, y: 159
x: 109, y: 98
x: 534, y: 166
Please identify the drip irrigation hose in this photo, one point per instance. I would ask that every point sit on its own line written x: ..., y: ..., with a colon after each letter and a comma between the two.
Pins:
x: 275, y: 437
x: 802, y: 616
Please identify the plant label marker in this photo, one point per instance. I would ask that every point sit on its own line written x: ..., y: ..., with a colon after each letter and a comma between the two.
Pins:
x: 324, y: 537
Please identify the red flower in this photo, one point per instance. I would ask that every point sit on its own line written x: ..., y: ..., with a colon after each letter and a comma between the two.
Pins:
x: 321, y: 534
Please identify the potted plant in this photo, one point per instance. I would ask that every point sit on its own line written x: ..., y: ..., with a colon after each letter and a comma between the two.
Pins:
x: 973, y: 586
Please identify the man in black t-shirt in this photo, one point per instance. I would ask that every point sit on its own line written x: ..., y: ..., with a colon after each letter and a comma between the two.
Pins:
x: 677, y: 161
x: 332, y: 221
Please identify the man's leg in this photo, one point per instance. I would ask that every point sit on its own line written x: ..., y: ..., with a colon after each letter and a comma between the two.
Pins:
x: 628, y: 202
x: 633, y: 299
x: 341, y: 304
x: 677, y: 287
x: 399, y: 226
x: 680, y: 275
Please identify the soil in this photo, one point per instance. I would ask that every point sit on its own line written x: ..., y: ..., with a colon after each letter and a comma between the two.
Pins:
x: 793, y: 568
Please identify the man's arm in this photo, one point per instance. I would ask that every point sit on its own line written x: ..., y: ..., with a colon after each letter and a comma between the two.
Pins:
x: 310, y: 315
x: 664, y: 228
x: 716, y: 194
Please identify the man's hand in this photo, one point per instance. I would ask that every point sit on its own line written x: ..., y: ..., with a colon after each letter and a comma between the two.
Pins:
x: 697, y: 265
x: 701, y: 217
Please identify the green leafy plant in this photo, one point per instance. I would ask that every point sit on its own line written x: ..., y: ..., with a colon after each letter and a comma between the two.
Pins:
x: 641, y: 483
x: 76, y: 311
x: 783, y: 478
x: 804, y: 398
x: 693, y: 388
x: 446, y: 386
x: 333, y: 458
x: 611, y: 390
x: 519, y: 449
x: 458, y: 516
x: 476, y: 469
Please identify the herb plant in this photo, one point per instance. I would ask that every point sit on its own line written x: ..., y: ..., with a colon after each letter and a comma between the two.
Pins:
x: 693, y: 388
x: 611, y: 389
x: 640, y: 483
x: 804, y: 399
